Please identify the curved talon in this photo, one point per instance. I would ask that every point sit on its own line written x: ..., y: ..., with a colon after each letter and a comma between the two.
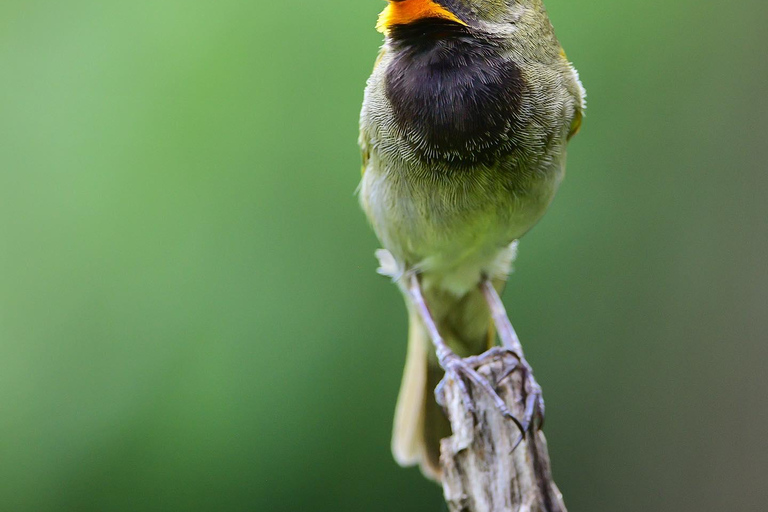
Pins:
x: 534, y: 403
x: 517, y: 442
x: 530, y: 410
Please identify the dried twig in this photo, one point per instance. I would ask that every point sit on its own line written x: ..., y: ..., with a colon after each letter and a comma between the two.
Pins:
x: 483, y: 471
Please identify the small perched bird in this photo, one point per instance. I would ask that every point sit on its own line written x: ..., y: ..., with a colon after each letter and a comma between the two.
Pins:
x: 463, y: 133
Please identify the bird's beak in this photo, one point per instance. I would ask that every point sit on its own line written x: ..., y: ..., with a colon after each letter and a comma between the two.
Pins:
x: 402, y: 12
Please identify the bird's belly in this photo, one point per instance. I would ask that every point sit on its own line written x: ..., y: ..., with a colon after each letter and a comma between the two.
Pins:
x: 453, y: 230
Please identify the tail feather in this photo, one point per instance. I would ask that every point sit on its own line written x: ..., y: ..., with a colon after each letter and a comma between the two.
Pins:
x: 407, y: 437
x: 419, y: 421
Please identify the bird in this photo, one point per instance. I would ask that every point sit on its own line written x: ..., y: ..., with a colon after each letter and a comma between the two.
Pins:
x: 463, y: 133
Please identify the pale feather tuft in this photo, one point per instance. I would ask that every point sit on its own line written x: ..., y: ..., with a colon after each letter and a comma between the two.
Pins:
x: 388, y: 265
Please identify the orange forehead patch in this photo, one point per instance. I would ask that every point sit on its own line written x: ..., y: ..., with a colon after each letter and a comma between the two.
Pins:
x: 407, y: 11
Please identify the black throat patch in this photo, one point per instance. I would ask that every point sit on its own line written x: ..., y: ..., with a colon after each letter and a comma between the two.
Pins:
x: 454, y: 96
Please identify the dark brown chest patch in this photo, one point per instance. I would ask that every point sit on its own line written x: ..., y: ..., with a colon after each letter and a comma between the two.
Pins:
x: 453, y: 95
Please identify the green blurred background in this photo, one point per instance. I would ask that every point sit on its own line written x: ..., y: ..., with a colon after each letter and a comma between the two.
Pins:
x: 189, y: 313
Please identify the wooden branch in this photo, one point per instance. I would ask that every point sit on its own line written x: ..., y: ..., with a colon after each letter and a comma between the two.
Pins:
x: 481, y: 471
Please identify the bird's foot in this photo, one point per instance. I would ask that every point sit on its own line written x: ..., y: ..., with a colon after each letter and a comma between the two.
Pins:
x: 459, y: 369
x: 533, y: 418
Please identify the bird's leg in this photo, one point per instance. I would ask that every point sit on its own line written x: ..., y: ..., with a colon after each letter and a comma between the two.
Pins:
x: 453, y: 365
x: 534, y: 404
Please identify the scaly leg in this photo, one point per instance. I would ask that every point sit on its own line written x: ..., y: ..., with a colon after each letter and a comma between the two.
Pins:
x: 534, y: 404
x: 451, y: 363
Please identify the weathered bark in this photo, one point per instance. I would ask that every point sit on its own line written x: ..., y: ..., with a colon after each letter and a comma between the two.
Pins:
x: 481, y: 470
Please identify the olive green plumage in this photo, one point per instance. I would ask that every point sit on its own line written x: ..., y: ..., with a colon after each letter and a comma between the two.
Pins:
x: 463, y: 131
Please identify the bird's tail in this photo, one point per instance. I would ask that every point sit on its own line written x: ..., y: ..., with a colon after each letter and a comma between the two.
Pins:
x: 420, y: 423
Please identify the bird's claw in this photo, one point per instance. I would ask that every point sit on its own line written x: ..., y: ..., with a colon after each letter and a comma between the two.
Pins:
x: 458, y: 369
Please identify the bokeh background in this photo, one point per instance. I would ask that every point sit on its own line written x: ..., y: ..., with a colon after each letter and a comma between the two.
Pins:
x: 189, y: 313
